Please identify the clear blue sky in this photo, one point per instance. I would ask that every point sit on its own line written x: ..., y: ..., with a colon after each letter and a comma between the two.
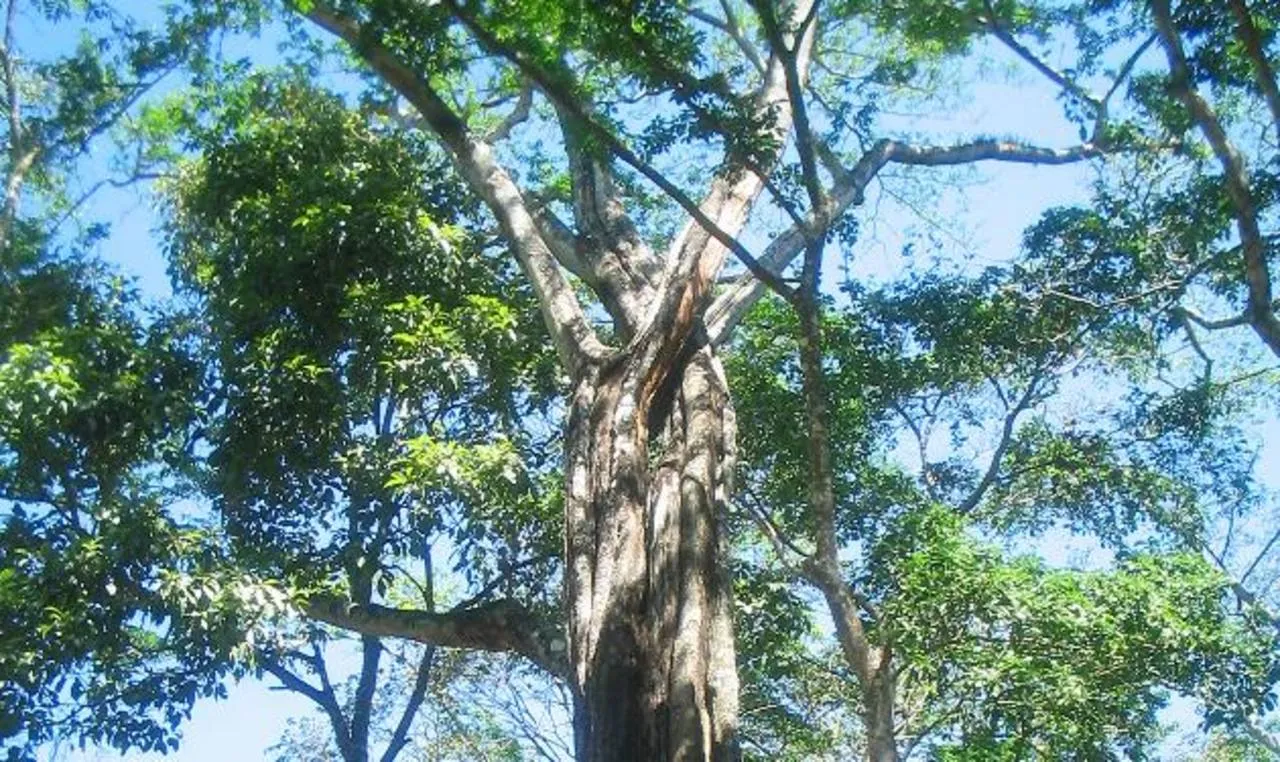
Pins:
x: 994, y: 210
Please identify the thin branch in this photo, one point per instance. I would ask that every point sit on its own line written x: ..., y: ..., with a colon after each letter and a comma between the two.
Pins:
x: 783, y: 547
x: 1001, y: 33
x: 1127, y: 67
x: 323, y: 697
x: 1002, y: 447
x: 422, y: 678
x: 1194, y: 341
x: 1261, y: 554
x: 1208, y: 324
x: 498, y: 581
x: 729, y: 26
x: 84, y: 197
x: 519, y: 113
x: 848, y: 191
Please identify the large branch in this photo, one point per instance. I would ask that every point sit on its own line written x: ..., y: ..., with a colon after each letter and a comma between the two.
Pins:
x: 680, y: 268
x: 1263, y: 74
x: 623, y: 270
x: 500, y: 626
x: 1253, y: 246
x: 575, y: 340
x: 848, y: 191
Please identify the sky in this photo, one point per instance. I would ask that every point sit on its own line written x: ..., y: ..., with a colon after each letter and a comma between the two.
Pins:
x: 994, y: 207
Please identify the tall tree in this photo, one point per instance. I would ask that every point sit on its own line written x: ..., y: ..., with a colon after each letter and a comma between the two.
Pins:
x: 649, y: 436
x: 345, y: 306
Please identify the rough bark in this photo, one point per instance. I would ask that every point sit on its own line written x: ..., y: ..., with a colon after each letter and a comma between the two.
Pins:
x: 651, y: 637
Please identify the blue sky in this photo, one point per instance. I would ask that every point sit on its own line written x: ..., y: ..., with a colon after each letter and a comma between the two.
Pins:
x: 994, y: 208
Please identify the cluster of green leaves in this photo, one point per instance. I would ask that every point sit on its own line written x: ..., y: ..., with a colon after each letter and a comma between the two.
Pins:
x: 373, y: 365
x: 95, y: 402
x: 1019, y: 659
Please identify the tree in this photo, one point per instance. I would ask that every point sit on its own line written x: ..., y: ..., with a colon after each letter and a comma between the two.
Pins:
x: 631, y: 287
x: 648, y: 605
x: 374, y: 374
x: 97, y: 399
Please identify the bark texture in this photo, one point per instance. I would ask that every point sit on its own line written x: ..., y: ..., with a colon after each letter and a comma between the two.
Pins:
x: 649, y: 604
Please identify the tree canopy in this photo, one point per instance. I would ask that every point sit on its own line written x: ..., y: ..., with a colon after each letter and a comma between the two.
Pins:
x: 523, y: 391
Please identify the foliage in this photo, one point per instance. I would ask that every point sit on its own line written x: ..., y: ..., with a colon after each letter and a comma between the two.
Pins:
x: 356, y: 381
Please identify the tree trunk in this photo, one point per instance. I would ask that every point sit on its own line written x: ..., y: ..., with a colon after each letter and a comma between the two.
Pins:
x: 878, y: 702
x: 651, y: 631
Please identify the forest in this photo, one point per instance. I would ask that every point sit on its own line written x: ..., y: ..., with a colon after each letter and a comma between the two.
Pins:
x: 640, y: 380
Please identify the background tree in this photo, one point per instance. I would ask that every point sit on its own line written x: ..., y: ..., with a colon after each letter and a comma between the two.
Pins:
x: 96, y: 391
x: 377, y: 378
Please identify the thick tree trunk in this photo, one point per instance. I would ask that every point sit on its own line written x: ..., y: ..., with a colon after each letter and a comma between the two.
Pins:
x: 878, y: 702
x: 651, y: 636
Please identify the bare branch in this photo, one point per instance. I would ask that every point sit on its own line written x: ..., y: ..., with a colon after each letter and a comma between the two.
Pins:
x: 323, y: 697
x: 848, y: 191
x: 1002, y: 447
x: 729, y: 25
x: 992, y: 23
x: 422, y: 678
x: 501, y: 626
x: 1209, y: 324
x: 519, y: 113
x: 366, y: 685
x: 1261, y: 555
x: 1126, y: 68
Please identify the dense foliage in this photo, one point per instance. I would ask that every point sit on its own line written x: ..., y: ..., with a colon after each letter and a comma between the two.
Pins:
x: 412, y: 298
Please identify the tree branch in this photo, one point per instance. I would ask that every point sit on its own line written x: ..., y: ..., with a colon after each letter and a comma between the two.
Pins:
x: 731, y: 28
x: 1002, y: 447
x: 1257, y: 273
x: 574, y: 339
x: 732, y: 306
x: 1263, y: 74
x: 422, y: 678
x: 519, y: 113
x: 1264, y: 738
x: 501, y: 626
x: 21, y: 156
x: 991, y: 22
x: 1210, y: 324
x: 323, y: 698
x: 574, y: 109
x: 366, y: 685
